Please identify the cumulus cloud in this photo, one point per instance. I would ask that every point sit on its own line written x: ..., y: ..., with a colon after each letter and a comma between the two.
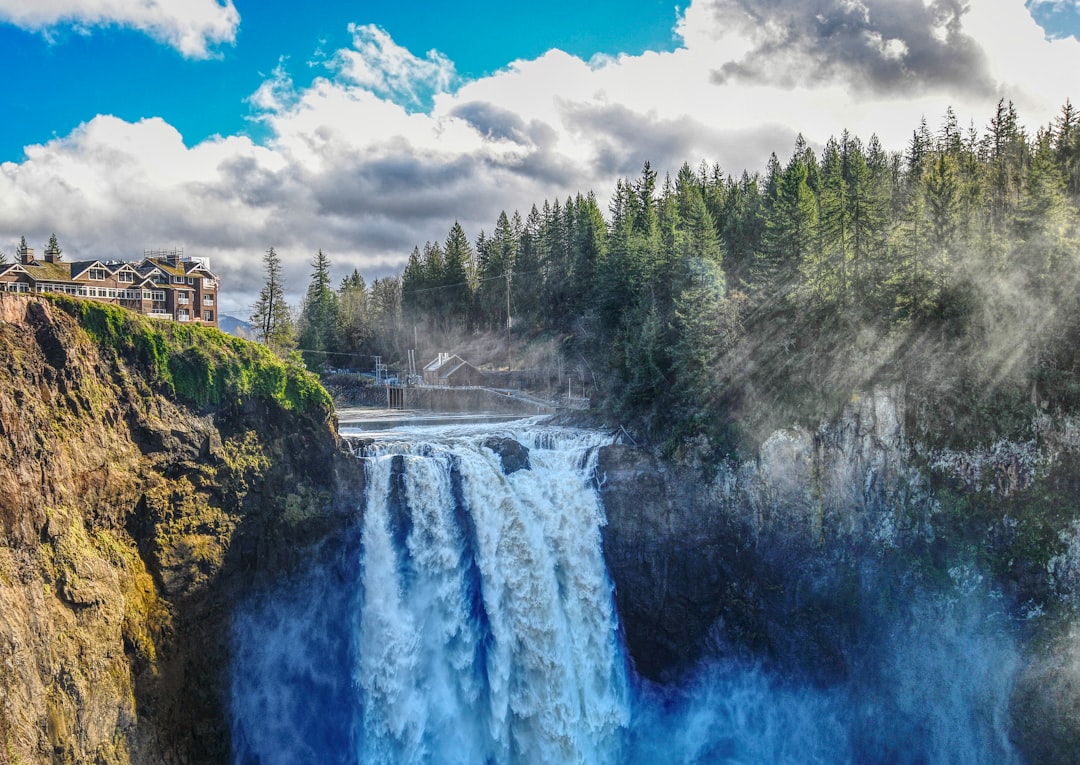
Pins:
x: 193, y: 27
x: 387, y: 149
x: 378, y: 64
x: 870, y: 45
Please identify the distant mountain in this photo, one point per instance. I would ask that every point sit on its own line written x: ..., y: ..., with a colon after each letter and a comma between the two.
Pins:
x: 235, y: 326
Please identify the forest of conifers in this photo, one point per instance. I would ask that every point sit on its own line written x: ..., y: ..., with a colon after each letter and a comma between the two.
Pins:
x: 717, y: 305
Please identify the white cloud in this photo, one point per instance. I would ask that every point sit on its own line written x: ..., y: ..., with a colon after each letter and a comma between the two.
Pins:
x: 193, y: 27
x: 378, y: 64
x: 357, y: 165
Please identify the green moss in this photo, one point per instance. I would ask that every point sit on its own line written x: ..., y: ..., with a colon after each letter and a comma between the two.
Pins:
x: 201, y: 365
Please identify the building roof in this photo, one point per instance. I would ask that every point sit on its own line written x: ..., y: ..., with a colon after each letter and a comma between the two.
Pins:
x: 43, y: 271
x: 182, y: 268
x: 8, y: 267
x: 79, y: 267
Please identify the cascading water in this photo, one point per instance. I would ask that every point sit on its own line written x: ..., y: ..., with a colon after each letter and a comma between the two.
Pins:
x: 482, y: 629
x: 468, y: 619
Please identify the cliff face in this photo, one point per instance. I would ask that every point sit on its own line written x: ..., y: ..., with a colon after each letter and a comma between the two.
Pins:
x: 129, y: 522
x: 787, y: 558
x: 689, y: 551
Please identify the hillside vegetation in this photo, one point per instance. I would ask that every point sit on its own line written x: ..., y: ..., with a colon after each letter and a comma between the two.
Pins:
x: 717, y: 304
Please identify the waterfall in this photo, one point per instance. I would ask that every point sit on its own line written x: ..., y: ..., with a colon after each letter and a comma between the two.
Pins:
x: 467, y: 618
x: 479, y: 627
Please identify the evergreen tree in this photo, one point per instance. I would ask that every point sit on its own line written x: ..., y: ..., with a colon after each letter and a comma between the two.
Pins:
x: 743, y: 227
x: 270, y: 316
x: 1046, y: 225
x: 458, y: 261
x: 827, y: 272
x: 319, y: 315
x: 435, y: 295
x: 789, y: 234
x: 355, y: 330
x: 1067, y: 147
x: 706, y: 330
x: 385, y: 310
x: 414, y: 288
x: 1005, y: 153
x: 53, y: 248
x: 528, y: 297
x: 496, y: 264
x: 590, y: 244
x: 942, y: 210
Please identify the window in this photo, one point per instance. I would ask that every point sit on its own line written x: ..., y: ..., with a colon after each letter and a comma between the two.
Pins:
x: 184, y: 315
x: 182, y: 298
x: 125, y: 276
x: 178, y: 280
x: 209, y: 284
x: 208, y: 315
x: 207, y: 299
x: 191, y: 280
x: 97, y: 274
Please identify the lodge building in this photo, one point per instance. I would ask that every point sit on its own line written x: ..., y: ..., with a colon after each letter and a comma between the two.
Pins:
x: 163, y: 285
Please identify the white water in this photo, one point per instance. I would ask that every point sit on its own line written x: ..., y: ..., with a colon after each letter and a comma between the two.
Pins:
x: 470, y: 621
x: 484, y: 628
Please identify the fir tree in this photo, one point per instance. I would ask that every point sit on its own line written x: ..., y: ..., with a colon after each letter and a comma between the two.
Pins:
x: 319, y: 315
x: 270, y: 316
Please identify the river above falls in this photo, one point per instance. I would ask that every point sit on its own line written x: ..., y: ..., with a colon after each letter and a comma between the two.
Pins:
x: 378, y: 422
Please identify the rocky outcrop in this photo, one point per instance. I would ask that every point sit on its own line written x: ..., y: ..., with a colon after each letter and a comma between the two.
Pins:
x: 691, y: 552
x: 513, y: 455
x: 130, y: 523
x: 787, y: 558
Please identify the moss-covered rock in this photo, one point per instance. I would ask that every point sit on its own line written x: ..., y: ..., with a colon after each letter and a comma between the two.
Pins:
x: 150, y: 474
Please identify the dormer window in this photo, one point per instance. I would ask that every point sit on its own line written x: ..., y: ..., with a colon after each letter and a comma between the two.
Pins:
x: 125, y: 276
x: 97, y: 274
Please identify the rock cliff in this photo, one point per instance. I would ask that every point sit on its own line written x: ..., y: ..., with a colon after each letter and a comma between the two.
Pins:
x: 785, y: 559
x: 150, y: 475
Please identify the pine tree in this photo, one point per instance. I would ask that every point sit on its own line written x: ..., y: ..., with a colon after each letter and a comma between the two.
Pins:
x: 414, y: 288
x: 319, y: 315
x: 53, y: 248
x: 270, y: 316
x: 458, y: 261
x: 1046, y: 225
x: 354, y: 321
x: 1005, y: 153
x: 1067, y: 147
x: 590, y: 249
x: 743, y: 228
x: 942, y: 210
x: 827, y: 273
x: 789, y: 235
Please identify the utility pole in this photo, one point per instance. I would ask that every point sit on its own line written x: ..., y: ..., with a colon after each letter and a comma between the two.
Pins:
x: 508, y: 275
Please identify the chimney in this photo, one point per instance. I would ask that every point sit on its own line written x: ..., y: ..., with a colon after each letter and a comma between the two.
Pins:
x: 52, y: 252
x: 26, y: 255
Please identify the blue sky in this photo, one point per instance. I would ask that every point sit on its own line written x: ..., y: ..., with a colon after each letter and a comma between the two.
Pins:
x: 64, y: 77
x: 367, y: 128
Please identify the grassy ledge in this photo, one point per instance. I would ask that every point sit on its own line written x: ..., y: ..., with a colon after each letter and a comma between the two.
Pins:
x: 201, y: 365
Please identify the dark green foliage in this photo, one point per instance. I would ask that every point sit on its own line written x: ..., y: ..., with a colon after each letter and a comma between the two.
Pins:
x: 271, y: 316
x: 200, y: 365
x: 319, y: 317
x: 709, y: 306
